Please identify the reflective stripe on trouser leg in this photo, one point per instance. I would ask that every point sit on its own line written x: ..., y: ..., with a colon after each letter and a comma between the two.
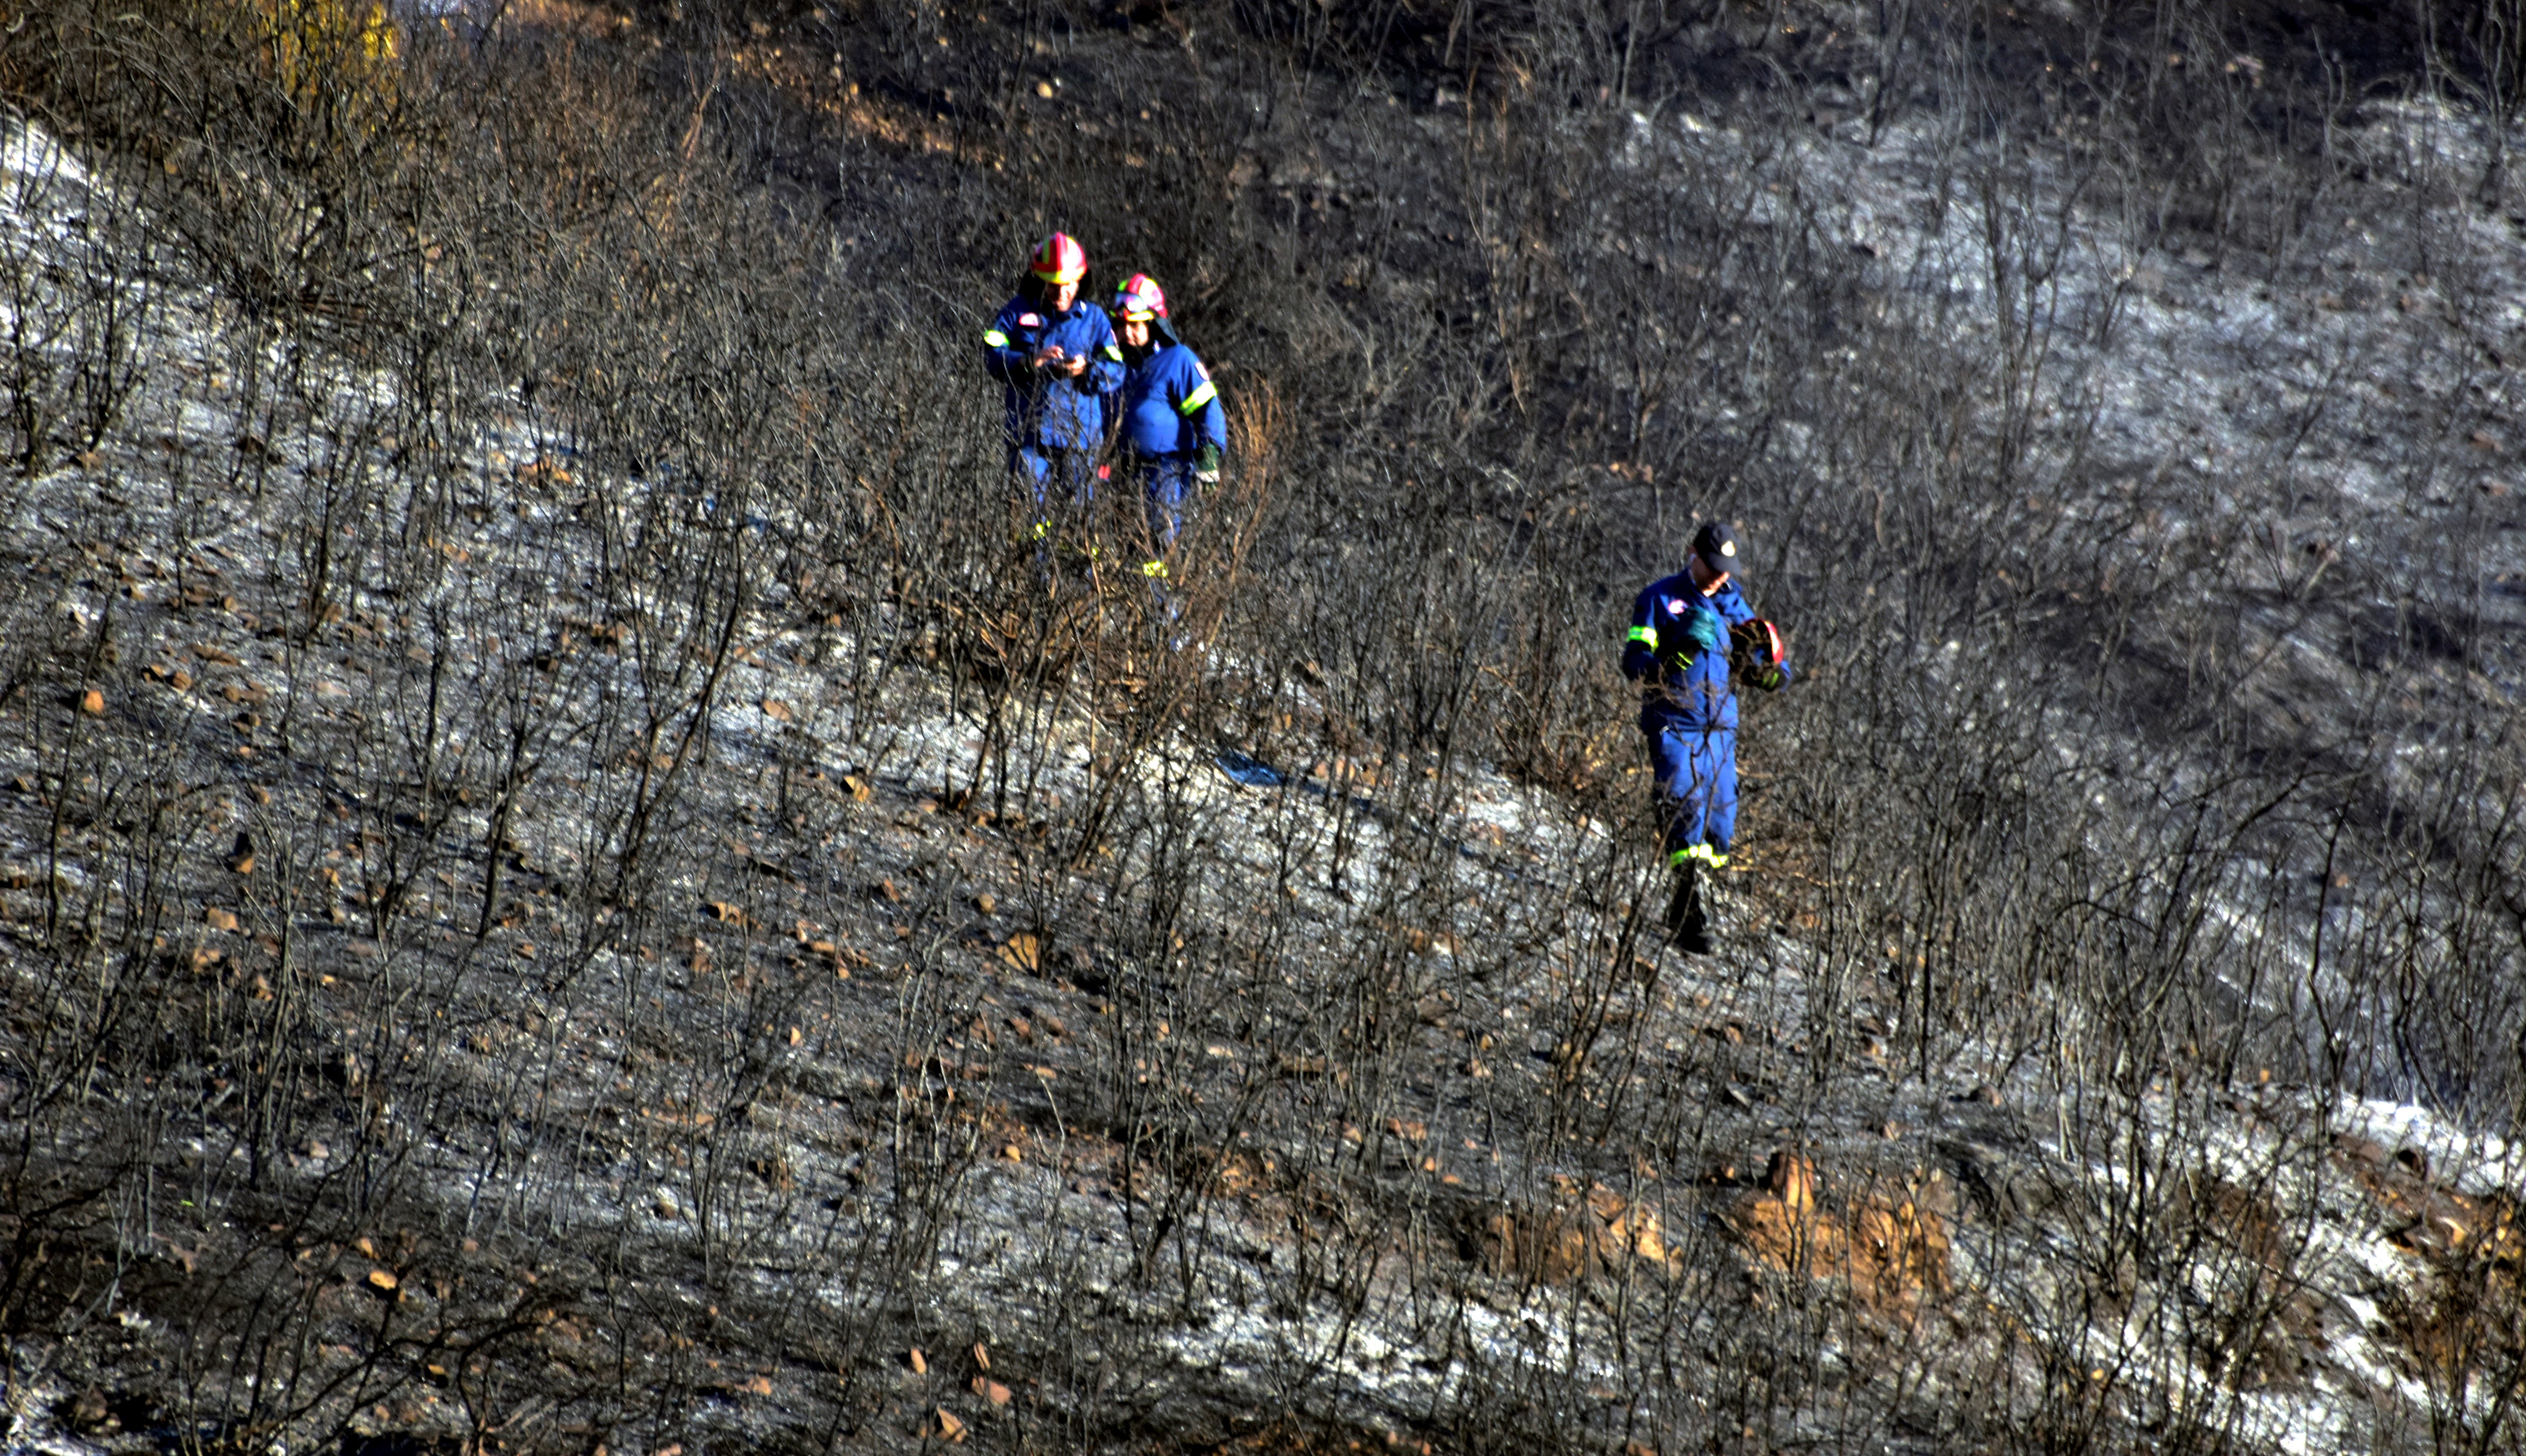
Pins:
x: 1696, y: 776
x: 1163, y: 482
x: 1051, y: 468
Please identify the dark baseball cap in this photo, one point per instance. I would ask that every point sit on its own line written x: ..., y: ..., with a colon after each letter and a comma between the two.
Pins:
x: 1716, y: 545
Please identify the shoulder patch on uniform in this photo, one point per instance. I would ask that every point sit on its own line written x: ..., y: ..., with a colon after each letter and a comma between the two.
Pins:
x: 1029, y: 320
x: 1675, y: 606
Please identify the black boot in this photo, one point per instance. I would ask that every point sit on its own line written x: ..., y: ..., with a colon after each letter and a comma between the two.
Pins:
x: 1687, y: 926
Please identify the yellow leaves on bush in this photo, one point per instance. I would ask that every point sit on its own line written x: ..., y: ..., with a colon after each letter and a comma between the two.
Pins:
x: 318, y: 46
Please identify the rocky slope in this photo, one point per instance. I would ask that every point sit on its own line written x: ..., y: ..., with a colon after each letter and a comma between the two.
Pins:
x: 761, y: 1078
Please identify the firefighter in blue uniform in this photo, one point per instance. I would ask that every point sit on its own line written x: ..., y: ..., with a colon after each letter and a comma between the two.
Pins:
x: 1172, y: 428
x: 1692, y: 634
x: 1058, y: 359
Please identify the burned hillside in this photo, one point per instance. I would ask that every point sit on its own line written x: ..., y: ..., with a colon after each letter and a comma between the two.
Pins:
x: 575, y: 878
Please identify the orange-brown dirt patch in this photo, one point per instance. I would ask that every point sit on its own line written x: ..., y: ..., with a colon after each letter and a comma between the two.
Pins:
x: 1581, y: 1232
x: 1884, y: 1244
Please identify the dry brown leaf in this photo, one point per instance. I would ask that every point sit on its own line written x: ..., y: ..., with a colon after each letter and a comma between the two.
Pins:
x: 1021, y: 953
x: 1791, y: 1178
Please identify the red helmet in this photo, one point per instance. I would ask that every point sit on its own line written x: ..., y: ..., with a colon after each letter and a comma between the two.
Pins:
x: 1061, y: 260
x: 1757, y: 646
x: 1139, y: 299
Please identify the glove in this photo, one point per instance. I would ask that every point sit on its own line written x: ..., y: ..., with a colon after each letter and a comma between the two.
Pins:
x: 1694, y: 635
x: 1758, y: 654
x: 1205, y: 466
x: 1696, y: 632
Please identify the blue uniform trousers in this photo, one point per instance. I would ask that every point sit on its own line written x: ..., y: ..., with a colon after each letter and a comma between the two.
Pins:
x: 1696, y: 781
x: 1163, y: 480
x: 1051, y: 468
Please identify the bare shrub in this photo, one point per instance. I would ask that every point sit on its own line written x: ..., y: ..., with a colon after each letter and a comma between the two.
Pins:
x: 587, y: 934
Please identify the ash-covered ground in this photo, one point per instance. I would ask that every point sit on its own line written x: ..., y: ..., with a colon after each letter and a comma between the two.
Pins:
x: 473, y: 987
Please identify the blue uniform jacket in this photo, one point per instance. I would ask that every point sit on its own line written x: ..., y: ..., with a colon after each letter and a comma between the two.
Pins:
x: 1047, y: 409
x: 1170, y: 407
x: 1695, y: 694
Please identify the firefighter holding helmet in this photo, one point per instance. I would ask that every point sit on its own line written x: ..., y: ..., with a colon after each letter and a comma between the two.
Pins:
x: 1057, y: 358
x: 1692, y: 638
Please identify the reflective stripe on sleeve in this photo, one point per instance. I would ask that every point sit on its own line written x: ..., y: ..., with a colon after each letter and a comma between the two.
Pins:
x: 1154, y: 570
x: 1702, y: 852
x: 1199, y: 397
x: 1647, y: 636
x: 1113, y: 353
x: 995, y: 339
